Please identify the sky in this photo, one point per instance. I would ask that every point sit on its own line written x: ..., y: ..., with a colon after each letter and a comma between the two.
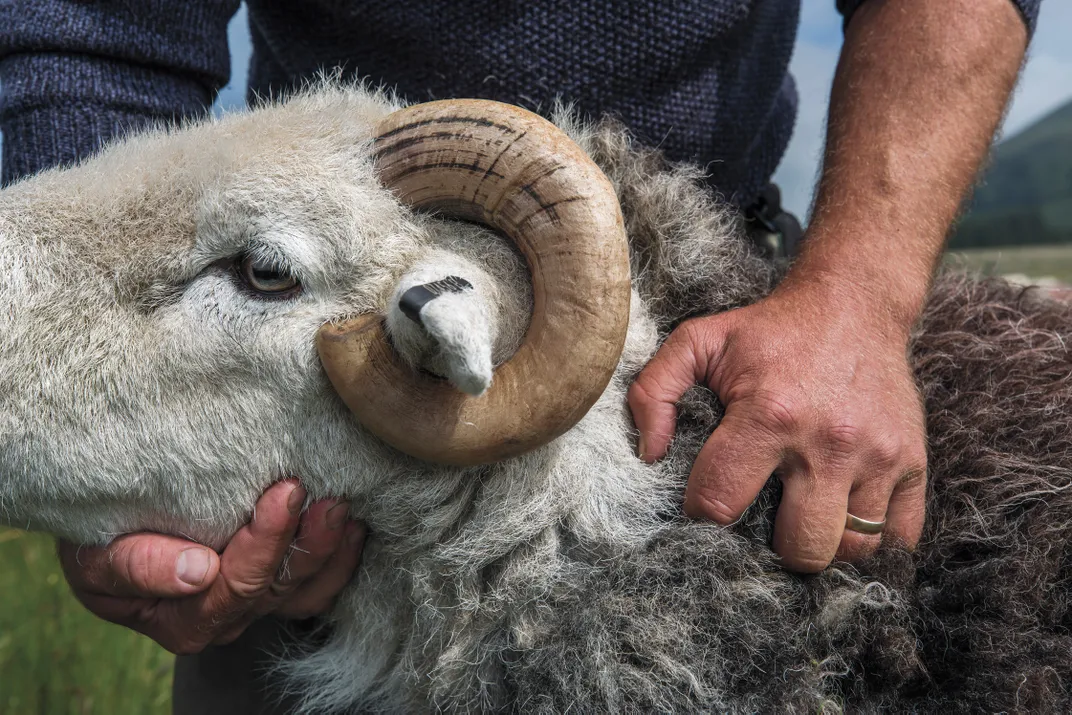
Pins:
x: 1045, y: 85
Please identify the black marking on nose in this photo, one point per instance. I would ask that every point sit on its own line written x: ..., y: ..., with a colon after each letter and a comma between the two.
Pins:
x: 417, y: 297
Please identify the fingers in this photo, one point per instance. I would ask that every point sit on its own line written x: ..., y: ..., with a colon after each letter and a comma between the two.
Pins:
x: 813, y: 392
x: 907, y: 509
x: 265, y: 569
x: 249, y: 564
x: 248, y: 567
x: 868, y: 500
x: 682, y: 361
x: 320, y: 537
x: 185, y: 597
x: 731, y: 469
x: 318, y: 594
x: 811, y: 519
x: 811, y: 529
x: 140, y: 565
x: 820, y: 487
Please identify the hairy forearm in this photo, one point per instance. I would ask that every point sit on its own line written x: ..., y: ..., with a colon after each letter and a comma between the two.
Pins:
x: 918, y: 94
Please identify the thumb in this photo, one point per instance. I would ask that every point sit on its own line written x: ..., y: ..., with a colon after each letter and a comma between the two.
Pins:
x: 683, y: 360
x: 140, y: 565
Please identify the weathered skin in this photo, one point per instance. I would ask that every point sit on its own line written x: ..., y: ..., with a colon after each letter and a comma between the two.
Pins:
x: 142, y: 387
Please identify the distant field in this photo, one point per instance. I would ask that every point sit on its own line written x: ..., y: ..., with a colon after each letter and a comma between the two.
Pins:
x: 1034, y: 261
x: 55, y: 658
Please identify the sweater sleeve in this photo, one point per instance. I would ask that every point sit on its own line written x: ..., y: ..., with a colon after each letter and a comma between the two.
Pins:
x: 75, y: 73
x: 1029, y: 10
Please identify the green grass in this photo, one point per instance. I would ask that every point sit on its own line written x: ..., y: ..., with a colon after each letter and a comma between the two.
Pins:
x: 1035, y: 261
x: 55, y: 657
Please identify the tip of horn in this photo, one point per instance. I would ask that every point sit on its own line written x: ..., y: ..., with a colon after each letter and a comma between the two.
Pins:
x: 344, y: 329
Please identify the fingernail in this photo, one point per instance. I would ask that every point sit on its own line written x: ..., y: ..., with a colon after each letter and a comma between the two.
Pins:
x: 337, y: 514
x: 642, y: 447
x: 297, y: 498
x: 192, y: 566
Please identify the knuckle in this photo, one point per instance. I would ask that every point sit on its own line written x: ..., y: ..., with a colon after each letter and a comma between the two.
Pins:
x: 693, y: 331
x: 778, y: 413
x: 915, y: 475
x: 135, y: 567
x: 705, y: 505
x: 661, y: 376
x: 844, y: 439
x: 638, y: 394
x: 301, y: 563
x: 917, y: 458
x: 887, y: 454
x: 248, y: 590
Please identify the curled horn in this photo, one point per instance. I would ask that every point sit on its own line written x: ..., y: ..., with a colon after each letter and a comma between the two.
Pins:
x: 515, y: 172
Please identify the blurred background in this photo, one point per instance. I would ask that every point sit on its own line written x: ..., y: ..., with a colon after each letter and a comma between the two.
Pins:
x: 56, y: 658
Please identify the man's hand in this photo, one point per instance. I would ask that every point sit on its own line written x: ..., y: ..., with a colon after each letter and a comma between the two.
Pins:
x: 186, y: 597
x: 816, y: 390
x: 815, y: 379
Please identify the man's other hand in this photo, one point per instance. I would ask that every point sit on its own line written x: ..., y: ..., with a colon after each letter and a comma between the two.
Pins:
x: 186, y: 597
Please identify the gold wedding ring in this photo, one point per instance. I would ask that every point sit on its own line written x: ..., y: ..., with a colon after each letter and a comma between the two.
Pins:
x: 863, y: 526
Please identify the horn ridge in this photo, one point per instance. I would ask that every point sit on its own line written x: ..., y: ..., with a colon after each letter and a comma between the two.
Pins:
x: 517, y: 173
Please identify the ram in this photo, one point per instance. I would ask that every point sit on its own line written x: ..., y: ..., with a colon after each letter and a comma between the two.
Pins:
x: 192, y: 314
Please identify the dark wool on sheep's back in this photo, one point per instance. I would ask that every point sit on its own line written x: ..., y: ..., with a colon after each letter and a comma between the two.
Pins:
x: 977, y: 619
x: 702, y: 619
x: 705, y: 80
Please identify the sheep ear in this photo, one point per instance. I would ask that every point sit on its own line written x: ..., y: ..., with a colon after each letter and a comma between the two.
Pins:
x: 454, y: 325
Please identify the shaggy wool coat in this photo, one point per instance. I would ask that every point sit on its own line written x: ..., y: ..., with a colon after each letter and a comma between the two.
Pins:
x: 141, y: 388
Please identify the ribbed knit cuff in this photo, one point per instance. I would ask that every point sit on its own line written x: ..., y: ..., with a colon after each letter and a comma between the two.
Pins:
x: 186, y: 36
x: 1029, y: 10
x: 57, y: 109
x: 43, y: 138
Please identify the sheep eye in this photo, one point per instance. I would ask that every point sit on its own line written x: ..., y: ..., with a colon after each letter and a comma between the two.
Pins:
x: 266, y: 276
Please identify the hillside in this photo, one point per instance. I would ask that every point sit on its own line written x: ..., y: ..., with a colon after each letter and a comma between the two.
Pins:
x: 1026, y: 195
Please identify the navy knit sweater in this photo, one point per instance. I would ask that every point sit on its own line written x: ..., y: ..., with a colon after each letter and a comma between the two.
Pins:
x: 705, y: 80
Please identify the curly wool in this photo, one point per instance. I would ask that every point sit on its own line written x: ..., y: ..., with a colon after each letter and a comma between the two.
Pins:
x: 976, y: 619
x: 682, y: 616
x: 564, y: 579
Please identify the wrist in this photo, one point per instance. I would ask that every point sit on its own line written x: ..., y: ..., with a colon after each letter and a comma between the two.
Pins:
x: 888, y: 291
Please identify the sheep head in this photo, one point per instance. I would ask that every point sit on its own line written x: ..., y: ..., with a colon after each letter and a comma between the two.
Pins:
x: 166, y: 301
